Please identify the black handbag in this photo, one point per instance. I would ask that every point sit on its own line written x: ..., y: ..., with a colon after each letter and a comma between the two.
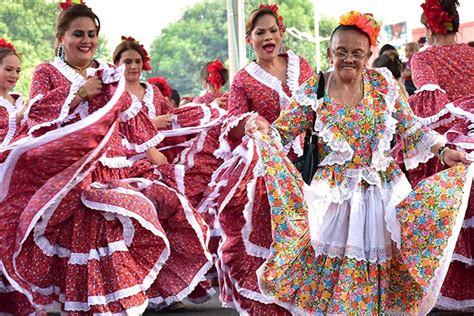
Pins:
x: 308, y: 162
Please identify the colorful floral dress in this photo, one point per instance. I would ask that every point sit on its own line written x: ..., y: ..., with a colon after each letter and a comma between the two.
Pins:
x: 237, y: 189
x: 82, y: 222
x: 357, y: 240
x: 444, y: 101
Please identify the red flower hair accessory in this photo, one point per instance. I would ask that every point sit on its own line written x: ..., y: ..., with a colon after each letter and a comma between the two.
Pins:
x: 162, y: 84
x: 69, y: 3
x: 274, y: 9
x: 215, y: 77
x: 146, y: 57
x: 365, y: 22
x: 4, y: 43
x: 438, y: 20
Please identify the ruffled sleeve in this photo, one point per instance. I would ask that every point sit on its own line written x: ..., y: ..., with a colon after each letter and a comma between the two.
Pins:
x: 297, y: 117
x: 138, y: 132
x: 417, y: 139
x: 51, y: 99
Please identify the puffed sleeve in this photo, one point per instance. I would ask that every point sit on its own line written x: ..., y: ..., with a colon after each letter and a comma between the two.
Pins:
x: 49, y: 99
x: 138, y: 131
x: 298, y: 115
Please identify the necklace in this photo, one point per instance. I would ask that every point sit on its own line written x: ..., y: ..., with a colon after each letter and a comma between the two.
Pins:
x: 354, y: 95
x: 81, y: 70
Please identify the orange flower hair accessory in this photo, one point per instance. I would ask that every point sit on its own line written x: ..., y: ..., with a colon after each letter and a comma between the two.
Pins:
x: 438, y: 20
x: 274, y: 9
x: 365, y: 22
x: 162, y: 84
x: 146, y: 57
x: 69, y: 3
x: 215, y: 77
x: 4, y: 43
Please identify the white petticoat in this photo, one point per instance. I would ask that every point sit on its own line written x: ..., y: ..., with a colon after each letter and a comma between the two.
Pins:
x: 360, y: 227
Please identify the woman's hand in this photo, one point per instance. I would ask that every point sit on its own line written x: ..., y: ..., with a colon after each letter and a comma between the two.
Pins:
x: 222, y: 101
x: 91, y: 88
x: 156, y: 157
x: 452, y: 157
x: 163, y: 121
x: 257, y: 124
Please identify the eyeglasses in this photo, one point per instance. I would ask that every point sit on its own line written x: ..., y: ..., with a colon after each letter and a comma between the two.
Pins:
x: 343, y: 55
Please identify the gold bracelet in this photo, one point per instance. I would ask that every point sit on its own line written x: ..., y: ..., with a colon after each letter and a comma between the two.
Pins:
x: 83, y: 93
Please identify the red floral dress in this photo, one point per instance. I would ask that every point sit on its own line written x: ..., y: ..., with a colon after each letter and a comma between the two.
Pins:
x: 237, y: 191
x: 444, y: 101
x: 83, y: 227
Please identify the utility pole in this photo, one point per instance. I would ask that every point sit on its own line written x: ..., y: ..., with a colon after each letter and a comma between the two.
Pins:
x: 316, y: 36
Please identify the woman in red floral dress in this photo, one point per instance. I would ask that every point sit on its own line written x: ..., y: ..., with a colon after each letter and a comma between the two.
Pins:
x: 189, y: 258
x: 11, y: 300
x: 81, y: 232
x: 237, y: 190
x: 444, y: 101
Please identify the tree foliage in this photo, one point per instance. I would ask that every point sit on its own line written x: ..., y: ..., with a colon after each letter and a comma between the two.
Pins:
x: 29, y: 25
x: 200, y: 36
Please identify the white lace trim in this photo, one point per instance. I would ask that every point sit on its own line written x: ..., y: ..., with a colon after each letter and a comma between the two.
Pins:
x: 430, y: 87
x: 468, y: 222
x: 463, y: 259
x: 293, y: 73
x: 423, y: 152
x: 115, y: 162
x: 224, y: 151
x: 97, y: 254
x: 458, y: 112
x: 452, y: 304
x: 341, y: 151
x: 425, y: 121
x: 132, y: 110
x: 148, y: 99
x: 139, y: 148
x: 378, y: 255
x: 12, y: 110
x: 251, y: 248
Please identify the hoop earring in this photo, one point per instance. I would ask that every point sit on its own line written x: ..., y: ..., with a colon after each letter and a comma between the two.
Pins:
x: 60, y: 52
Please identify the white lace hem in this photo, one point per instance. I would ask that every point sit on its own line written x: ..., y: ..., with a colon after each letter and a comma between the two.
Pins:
x: 115, y: 162
x: 224, y: 150
x: 139, y: 148
x: 423, y: 153
x: 452, y: 304
x: 430, y: 87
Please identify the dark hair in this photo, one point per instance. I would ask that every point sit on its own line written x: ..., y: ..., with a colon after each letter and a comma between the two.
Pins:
x: 175, y: 97
x: 255, y: 15
x: 450, y: 7
x: 66, y: 17
x: 387, y: 47
x: 471, y: 43
x: 5, y: 51
x: 422, y: 40
x: 204, y: 74
x: 344, y: 28
x: 393, y: 64
x: 124, y: 46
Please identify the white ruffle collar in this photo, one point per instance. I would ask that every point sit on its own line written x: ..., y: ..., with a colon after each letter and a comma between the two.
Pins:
x: 293, y: 74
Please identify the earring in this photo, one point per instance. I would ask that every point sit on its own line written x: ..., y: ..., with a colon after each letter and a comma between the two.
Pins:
x: 250, y: 52
x: 60, y: 52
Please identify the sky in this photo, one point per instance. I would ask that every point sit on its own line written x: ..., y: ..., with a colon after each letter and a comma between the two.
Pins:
x: 144, y: 19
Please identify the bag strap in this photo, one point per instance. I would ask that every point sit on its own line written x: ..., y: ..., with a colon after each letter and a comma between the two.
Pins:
x: 319, y: 95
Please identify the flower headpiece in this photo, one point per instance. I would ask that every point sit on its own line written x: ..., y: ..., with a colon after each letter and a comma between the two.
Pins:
x: 215, y: 77
x: 438, y: 20
x: 365, y: 22
x: 274, y: 9
x: 146, y: 58
x: 4, y: 43
x: 69, y: 3
x: 162, y: 84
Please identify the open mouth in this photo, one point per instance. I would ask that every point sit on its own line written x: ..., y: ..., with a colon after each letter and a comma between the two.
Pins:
x: 84, y: 49
x: 269, y: 48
